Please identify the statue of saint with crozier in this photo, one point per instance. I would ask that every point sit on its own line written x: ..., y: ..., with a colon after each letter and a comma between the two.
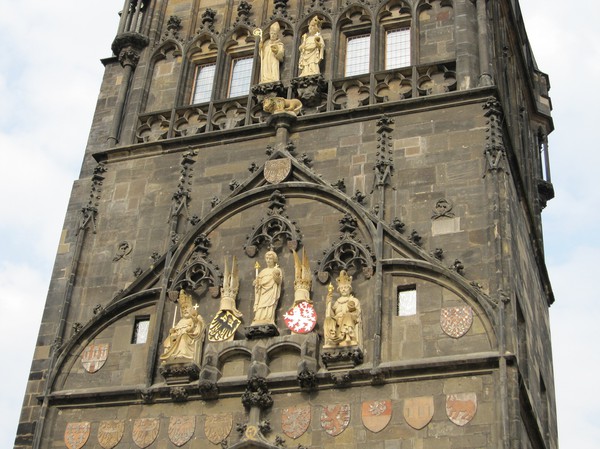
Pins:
x: 271, y: 53
x: 311, y: 49
x: 186, y: 337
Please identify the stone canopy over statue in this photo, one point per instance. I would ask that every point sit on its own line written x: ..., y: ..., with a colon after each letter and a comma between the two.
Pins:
x: 311, y: 49
x: 184, y: 341
x: 271, y: 53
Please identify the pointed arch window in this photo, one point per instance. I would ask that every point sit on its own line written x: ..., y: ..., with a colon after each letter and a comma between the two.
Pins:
x: 240, y: 77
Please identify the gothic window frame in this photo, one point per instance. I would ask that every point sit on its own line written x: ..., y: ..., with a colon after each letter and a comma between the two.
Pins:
x: 230, y: 79
x: 390, y: 21
x: 239, y: 45
x: 197, y: 72
x: 203, y: 53
x: 355, y: 22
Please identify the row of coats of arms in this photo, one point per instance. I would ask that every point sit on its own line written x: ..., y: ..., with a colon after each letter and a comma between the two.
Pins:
x: 343, y: 316
x: 295, y: 421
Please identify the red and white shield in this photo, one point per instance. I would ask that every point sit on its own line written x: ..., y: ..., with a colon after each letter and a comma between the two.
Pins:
x: 110, y: 433
x: 94, y: 357
x: 335, y: 418
x: 181, y: 429
x: 145, y: 431
x: 77, y: 434
x: 302, y: 318
x: 277, y: 170
x: 217, y: 427
x: 295, y: 420
x: 456, y: 321
x: 376, y: 415
x: 418, y: 412
x: 461, y: 407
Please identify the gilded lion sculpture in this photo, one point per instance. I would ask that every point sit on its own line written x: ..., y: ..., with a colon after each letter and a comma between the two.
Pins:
x: 277, y: 105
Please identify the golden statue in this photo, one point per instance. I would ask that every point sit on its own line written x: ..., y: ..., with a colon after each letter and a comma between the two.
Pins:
x: 267, y: 289
x: 186, y: 337
x: 343, y: 318
x: 271, y: 54
x: 311, y: 49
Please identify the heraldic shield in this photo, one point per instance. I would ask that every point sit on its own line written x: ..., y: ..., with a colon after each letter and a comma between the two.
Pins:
x: 302, y: 318
x: 145, y: 431
x: 110, y: 433
x: 295, y: 420
x: 77, y: 434
x: 223, y: 326
x: 418, y: 412
x: 461, y: 407
x: 217, y: 427
x: 376, y: 415
x: 335, y: 418
x: 94, y: 357
x: 181, y: 429
x: 456, y: 321
x: 277, y: 170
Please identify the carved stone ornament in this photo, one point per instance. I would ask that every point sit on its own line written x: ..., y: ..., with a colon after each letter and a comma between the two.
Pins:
x: 461, y: 407
x: 223, y: 326
x: 418, y: 412
x: 218, y: 427
x: 301, y: 319
x: 181, y: 429
x: 77, y: 434
x: 456, y: 321
x: 280, y: 105
x: 277, y: 170
x: 145, y: 431
x: 443, y: 208
x: 376, y: 415
x: 227, y: 319
x: 335, y: 418
x: 94, y: 356
x: 295, y: 420
x: 110, y: 433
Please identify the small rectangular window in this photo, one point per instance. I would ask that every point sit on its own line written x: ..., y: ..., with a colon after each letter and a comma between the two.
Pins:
x: 205, y: 74
x: 357, y: 55
x: 241, y: 76
x: 397, y: 48
x: 407, y: 300
x: 140, y: 330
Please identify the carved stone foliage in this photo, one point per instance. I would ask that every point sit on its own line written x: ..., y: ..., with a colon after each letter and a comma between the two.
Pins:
x: 229, y: 115
x: 190, y: 121
x: 311, y: 90
x: 198, y: 273
x: 90, y: 211
x: 280, y: 8
x: 257, y: 394
x: 274, y: 230
x: 173, y: 28
x: 443, y: 208
x: 153, y: 127
x: 393, y: 86
x: 494, y: 152
x: 208, y: 20
x: 384, y: 164
x: 351, y: 93
x: 349, y: 254
x: 244, y: 11
x: 436, y: 79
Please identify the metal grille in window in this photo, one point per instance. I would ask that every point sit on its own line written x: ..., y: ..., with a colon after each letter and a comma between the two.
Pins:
x: 357, y: 55
x: 397, y: 48
x: 205, y: 74
x: 241, y: 74
x: 140, y: 331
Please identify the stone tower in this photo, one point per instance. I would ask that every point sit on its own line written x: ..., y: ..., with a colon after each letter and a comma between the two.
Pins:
x: 305, y: 223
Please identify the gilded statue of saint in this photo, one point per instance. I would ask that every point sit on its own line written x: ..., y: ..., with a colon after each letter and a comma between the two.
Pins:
x: 184, y: 339
x: 271, y: 53
x: 267, y: 289
x: 343, y: 318
x: 311, y: 49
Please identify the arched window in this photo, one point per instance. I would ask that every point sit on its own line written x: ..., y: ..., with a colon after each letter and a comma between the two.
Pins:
x: 355, y: 42
x: 240, y: 63
x: 203, y: 59
x: 396, y: 41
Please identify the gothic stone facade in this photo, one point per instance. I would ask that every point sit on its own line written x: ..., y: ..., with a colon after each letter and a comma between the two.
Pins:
x: 425, y: 182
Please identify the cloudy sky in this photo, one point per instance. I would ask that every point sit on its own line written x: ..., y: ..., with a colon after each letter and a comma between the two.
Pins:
x: 49, y: 81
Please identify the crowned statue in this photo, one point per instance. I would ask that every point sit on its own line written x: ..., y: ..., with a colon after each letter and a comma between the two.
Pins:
x: 185, y: 339
x: 311, y: 49
x: 343, y: 318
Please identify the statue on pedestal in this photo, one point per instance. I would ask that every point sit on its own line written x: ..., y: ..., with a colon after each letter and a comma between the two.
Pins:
x: 267, y: 289
x: 271, y: 54
x: 184, y: 339
x: 343, y: 318
x: 311, y: 49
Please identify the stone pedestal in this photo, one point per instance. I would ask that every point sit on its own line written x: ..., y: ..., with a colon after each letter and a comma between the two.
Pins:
x: 342, y: 357
x: 261, y: 331
x: 180, y: 373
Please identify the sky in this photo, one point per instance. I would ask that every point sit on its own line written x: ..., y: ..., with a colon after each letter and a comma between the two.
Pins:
x: 50, y: 74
